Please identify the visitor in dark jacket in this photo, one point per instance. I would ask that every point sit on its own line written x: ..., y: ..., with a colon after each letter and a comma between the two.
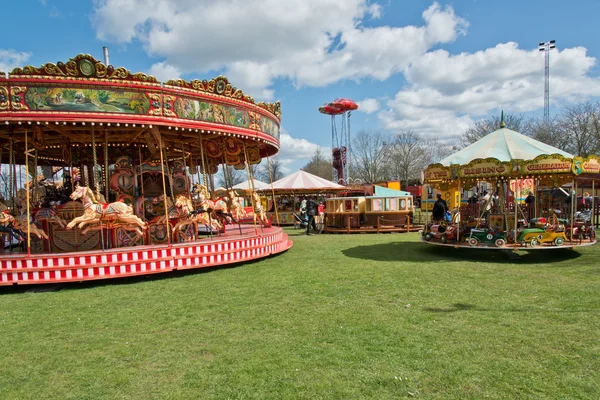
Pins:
x: 311, y: 211
x: 439, y: 208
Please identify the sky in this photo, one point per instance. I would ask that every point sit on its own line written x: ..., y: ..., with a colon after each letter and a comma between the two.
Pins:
x: 431, y: 67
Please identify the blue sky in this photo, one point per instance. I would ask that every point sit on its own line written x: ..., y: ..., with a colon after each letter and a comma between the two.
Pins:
x: 431, y: 67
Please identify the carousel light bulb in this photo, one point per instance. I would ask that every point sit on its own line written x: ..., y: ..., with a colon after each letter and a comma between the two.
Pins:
x: 133, y: 125
x: 93, y: 124
x: 118, y: 124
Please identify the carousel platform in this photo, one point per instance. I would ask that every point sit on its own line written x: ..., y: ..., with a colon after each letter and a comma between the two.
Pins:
x: 17, y: 268
x: 513, y: 247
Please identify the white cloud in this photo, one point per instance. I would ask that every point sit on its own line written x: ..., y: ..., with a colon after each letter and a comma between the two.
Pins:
x: 163, y: 71
x: 368, y: 106
x: 297, y: 151
x: 311, y: 42
x: 447, y: 92
x: 9, y: 59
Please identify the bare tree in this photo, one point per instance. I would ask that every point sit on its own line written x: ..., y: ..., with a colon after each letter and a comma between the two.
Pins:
x: 579, y: 124
x: 320, y: 165
x: 486, y: 126
x: 369, y: 156
x: 229, y: 176
x: 275, y: 173
x: 406, y: 156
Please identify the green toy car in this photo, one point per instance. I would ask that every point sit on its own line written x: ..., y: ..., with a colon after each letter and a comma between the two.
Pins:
x: 487, y: 236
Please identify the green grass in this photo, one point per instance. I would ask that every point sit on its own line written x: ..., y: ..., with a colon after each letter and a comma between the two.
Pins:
x: 335, y: 317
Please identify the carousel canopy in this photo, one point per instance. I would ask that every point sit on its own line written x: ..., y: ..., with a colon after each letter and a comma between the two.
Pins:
x: 503, y: 145
x: 302, y: 181
x: 259, y: 185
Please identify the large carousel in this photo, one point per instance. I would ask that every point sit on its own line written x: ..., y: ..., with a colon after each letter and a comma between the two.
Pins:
x: 497, y: 191
x: 108, y: 174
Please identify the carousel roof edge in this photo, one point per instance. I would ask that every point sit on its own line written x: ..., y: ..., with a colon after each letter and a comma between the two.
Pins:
x: 86, y: 67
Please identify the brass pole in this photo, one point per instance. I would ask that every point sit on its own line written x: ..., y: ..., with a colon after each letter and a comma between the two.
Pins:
x: 251, y: 187
x: 162, y: 166
x: 27, y: 195
x: 273, y: 190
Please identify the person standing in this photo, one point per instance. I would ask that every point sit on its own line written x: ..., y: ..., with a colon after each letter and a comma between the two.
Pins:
x: 439, y: 208
x: 311, y: 211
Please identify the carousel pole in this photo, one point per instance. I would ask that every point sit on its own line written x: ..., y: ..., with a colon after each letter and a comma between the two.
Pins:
x: 593, y: 213
x: 27, y: 195
x: 251, y: 187
x: 205, y: 179
x: 34, y: 175
x: 273, y: 190
x: 106, y: 178
x: 142, y: 183
x: 11, y: 198
x: 185, y: 169
x: 228, y: 181
x: 96, y: 180
x: 459, y: 202
x: 573, y: 205
x: 516, y: 196
x: 164, y: 184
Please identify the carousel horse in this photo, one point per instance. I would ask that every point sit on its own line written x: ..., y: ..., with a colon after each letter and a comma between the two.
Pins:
x: 94, y: 212
x: 50, y: 214
x: 235, y: 206
x: 191, y: 217
x: 21, y: 224
x: 7, y: 226
x: 259, y: 210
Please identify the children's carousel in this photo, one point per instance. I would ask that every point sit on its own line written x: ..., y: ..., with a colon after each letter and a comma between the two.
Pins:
x: 511, y: 167
x: 118, y: 173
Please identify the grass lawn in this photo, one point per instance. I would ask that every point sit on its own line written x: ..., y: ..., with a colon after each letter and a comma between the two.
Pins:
x: 335, y: 317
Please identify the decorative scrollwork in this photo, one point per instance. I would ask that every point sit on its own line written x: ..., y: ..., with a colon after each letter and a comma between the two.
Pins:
x: 101, y: 70
x: 17, y: 102
x: 4, y: 98
x: 83, y: 66
x: 119, y: 73
x: 71, y: 68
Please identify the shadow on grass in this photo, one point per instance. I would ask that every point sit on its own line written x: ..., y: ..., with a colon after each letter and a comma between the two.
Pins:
x: 457, y: 307
x: 417, y: 251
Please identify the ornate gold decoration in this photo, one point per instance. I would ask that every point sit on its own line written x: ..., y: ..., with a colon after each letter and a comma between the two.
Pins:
x: 83, y: 66
x: 4, y: 98
x: 273, y: 108
x: 71, y: 68
x: 155, y: 103
x: 17, y: 102
x: 168, y: 106
x: 254, y: 120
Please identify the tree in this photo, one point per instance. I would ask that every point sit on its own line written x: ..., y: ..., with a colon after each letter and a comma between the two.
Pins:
x: 368, y: 156
x: 320, y: 165
x: 275, y: 173
x: 229, y: 176
x: 406, y: 156
x: 486, y: 126
x: 579, y: 123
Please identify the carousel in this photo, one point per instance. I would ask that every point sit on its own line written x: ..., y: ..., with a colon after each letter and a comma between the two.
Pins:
x: 497, y: 189
x: 108, y: 174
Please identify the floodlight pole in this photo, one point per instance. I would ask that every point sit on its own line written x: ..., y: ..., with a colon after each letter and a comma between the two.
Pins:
x: 546, y: 47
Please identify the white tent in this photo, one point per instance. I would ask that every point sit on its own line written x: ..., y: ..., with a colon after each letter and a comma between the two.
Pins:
x: 257, y: 185
x: 302, y: 181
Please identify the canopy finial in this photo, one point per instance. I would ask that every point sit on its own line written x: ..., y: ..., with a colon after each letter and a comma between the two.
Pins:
x: 502, y: 124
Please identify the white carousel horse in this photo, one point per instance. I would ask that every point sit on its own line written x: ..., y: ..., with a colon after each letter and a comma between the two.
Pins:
x: 94, y: 212
x: 259, y: 210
